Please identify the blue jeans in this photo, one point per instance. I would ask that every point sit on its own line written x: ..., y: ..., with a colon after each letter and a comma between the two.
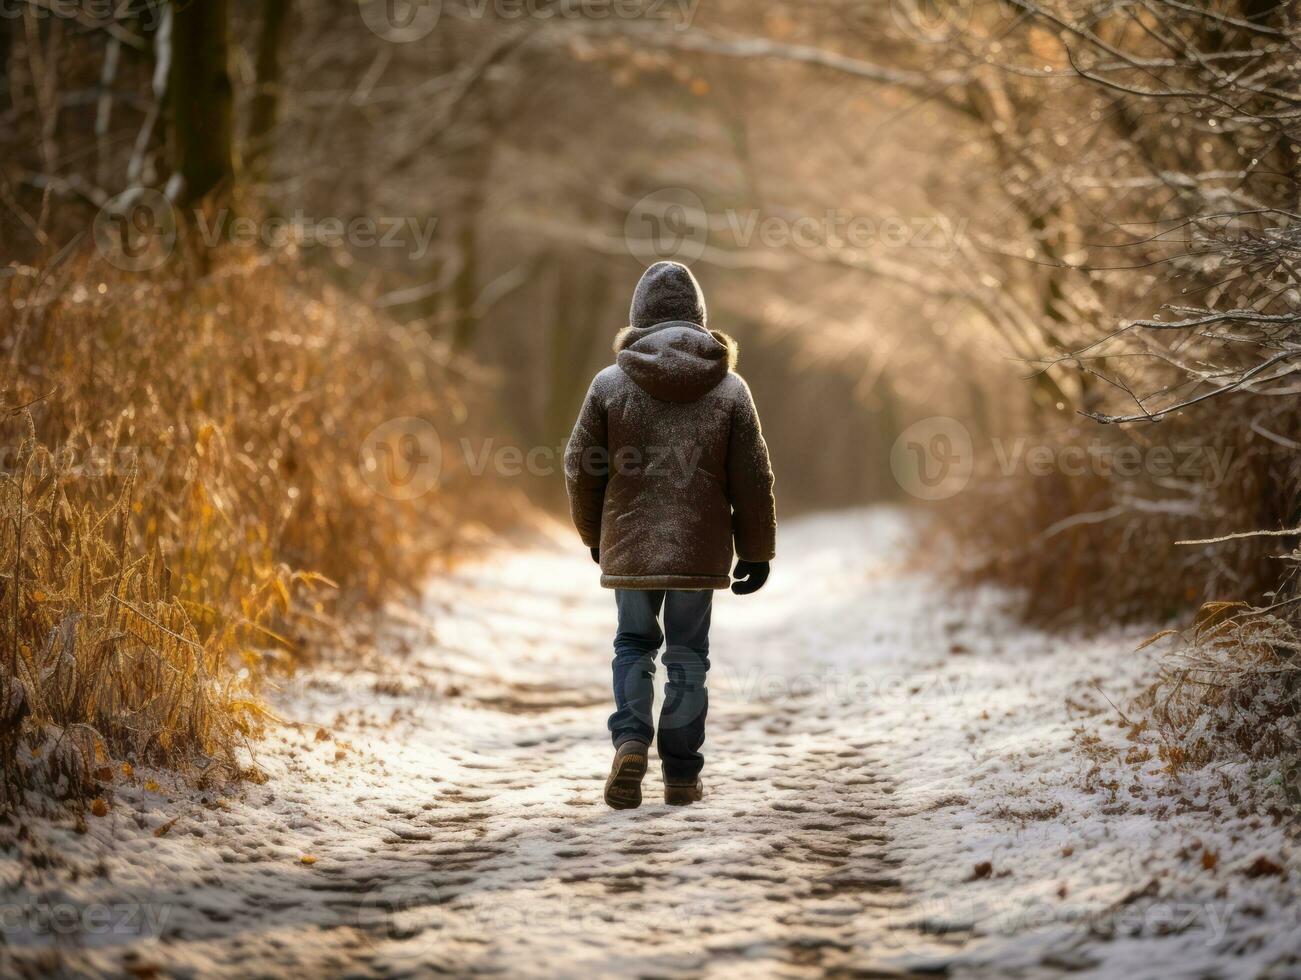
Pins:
x: 686, y: 661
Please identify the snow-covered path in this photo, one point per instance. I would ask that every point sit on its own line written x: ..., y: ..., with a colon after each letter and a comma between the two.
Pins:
x: 895, y: 784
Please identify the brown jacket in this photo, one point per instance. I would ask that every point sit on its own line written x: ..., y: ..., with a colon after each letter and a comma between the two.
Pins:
x: 667, y: 466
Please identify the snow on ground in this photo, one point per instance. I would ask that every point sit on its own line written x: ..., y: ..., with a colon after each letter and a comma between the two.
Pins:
x: 898, y: 781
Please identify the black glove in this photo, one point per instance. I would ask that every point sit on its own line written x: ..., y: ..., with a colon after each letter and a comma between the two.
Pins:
x: 750, y: 576
x: 596, y: 555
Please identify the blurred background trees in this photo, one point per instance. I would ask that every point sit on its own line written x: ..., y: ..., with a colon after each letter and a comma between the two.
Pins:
x: 1033, y: 218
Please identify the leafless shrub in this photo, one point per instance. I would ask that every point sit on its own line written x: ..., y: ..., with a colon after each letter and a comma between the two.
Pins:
x: 1098, y: 547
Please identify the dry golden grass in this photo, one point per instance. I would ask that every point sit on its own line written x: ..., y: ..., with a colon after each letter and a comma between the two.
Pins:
x: 1230, y: 687
x: 182, y: 506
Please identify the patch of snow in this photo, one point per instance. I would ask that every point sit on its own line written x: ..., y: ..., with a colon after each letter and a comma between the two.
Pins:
x: 897, y: 778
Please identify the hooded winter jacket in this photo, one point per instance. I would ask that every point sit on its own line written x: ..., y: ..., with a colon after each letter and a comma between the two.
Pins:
x: 667, y: 468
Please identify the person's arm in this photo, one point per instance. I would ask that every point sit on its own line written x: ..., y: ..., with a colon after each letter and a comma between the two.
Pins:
x: 587, y: 468
x: 749, y: 483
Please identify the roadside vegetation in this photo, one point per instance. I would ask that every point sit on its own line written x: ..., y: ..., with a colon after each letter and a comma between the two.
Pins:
x: 1067, y: 228
x: 185, y: 507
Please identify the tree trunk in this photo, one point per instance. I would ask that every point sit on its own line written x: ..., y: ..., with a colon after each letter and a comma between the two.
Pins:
x: 582, y: 298
x: 6, y: 43
x: 559, y: 347
x: 265, y: 107
x: 201, y: 99
x: 465, y: 287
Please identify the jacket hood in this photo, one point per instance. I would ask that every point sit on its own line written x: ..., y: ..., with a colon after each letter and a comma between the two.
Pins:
x: 667, y: 291
x: 675, y: 361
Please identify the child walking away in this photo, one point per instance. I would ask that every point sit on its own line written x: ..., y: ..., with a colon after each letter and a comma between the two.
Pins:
x: 667, y: 471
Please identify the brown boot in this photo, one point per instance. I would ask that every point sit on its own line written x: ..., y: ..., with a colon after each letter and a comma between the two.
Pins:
x: 682, y: 793
x: 623, y: 786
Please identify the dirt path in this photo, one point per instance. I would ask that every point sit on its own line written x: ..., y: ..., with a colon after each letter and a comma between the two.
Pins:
x: 893, y: 788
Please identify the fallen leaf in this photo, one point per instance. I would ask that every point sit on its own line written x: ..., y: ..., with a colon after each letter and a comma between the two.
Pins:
x: 307, y: 859
x: 99, y: 807
x: 983, y: 870
x: 1263, y: 867
x: 142, y: 970
x: 162, y: 829
x: 1210, y: 859
x: 1150, y: 890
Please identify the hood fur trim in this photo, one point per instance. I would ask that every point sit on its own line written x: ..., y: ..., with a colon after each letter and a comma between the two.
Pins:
x: 623, y: 338
x: 733, y: 348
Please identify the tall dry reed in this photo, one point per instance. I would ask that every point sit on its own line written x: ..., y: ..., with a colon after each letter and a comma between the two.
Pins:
x: 183, y: 504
